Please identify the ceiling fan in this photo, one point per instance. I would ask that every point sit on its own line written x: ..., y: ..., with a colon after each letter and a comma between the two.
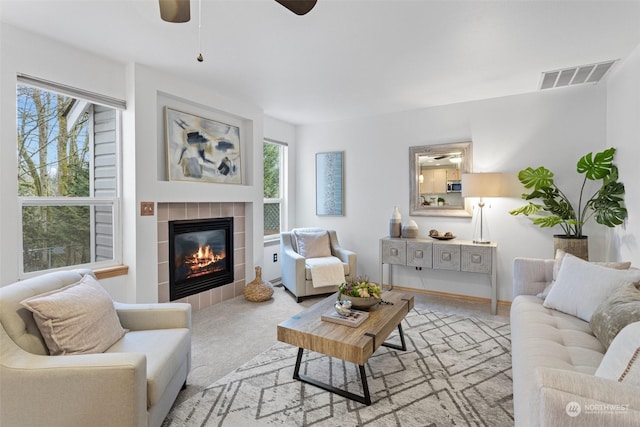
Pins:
x: 180, y: 10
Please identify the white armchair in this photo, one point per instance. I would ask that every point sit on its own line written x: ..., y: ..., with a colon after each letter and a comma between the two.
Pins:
x: 296, y: 274
x: 132, y: 383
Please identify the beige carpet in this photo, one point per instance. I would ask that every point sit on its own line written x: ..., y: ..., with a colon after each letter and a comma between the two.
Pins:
x: 456, y: 371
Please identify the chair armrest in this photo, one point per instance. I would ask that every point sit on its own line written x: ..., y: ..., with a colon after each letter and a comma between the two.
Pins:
x: 348, y: 257
x: 140, y: 317
x: 109, y: 387
x: 292, y: 265
x: 531, y: 275
x: 343, y: 254
x: 602, y: 401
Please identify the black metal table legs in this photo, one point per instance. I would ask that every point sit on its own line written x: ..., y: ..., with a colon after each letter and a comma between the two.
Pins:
x: 366, y: 397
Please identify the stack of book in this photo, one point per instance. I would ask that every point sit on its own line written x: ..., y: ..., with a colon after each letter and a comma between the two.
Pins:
x: 353, y: 319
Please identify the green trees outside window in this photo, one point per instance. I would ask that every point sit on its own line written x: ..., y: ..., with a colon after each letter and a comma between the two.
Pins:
x: 273, y: 193
x: 66, y: 151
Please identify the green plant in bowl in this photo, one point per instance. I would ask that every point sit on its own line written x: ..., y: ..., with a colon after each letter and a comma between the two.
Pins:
x: 361, y: 292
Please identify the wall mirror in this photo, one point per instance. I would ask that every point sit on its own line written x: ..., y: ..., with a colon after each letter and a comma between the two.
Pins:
x: 435, y: 173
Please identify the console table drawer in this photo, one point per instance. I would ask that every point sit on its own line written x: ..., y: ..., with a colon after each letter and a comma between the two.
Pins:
x: 419, y: 254
x: 460, y: 255
x: 446, y: 257
x: 394, y: 252
x: 476, y: 259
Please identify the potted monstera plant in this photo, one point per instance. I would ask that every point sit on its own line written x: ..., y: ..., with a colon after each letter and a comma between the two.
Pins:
x: 551, y: 207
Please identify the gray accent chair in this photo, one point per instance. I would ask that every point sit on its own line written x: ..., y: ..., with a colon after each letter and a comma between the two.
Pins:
x: 133, y: 383
x: 296, y: 276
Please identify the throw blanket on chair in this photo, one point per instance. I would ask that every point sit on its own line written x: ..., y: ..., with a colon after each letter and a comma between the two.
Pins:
x: 325, y: 271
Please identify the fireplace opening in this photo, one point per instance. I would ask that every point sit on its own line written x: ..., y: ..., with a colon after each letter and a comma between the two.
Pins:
x: 200, y: 255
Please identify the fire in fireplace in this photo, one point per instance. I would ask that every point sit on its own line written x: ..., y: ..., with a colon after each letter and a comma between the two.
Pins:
x: 200, y: 255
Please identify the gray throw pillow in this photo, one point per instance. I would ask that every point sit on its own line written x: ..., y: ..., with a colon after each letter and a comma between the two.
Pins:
x: 619, y: 309
x: 313, y: 244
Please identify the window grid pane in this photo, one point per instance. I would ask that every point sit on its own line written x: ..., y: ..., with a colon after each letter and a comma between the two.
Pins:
x: 271, y: 219
x: 60, y: 236
x: 272, y: 170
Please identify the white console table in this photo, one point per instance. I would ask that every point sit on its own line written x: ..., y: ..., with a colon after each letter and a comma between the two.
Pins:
x: 452, y: 255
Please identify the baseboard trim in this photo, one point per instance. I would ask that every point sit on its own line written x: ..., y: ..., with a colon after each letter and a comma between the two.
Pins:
x: 452, y: 296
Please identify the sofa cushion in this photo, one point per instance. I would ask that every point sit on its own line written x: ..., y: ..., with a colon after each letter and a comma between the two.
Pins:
x: 77, y: 319
x: 166, y: 350
x: 581, y: 286
x: 313, y: 244
x: 553, y: 339
x: 546, y: 338
x: 622, y: 265
x: 620, y: 308
x: 622, y: 360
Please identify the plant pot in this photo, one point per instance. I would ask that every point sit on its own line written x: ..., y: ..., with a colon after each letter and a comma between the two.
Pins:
x: 576, y: 246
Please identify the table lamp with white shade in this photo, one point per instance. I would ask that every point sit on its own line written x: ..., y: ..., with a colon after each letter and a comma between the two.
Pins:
x: 483, y: 185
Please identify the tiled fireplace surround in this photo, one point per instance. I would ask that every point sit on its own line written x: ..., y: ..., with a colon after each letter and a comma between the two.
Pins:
x: 178, y: 211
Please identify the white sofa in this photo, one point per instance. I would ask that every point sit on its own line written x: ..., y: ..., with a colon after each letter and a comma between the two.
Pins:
x: 555, y: 359
x: 132, y: 383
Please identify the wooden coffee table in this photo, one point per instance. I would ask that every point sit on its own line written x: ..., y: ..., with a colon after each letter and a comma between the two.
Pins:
x: 306, y: 330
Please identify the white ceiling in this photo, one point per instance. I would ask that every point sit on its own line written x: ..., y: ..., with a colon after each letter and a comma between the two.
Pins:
x: 347, y: 58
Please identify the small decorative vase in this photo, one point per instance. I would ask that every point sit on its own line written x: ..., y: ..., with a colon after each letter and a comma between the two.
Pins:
x: 395, y: 223
x: 257, y: 290
x: 410, y: 229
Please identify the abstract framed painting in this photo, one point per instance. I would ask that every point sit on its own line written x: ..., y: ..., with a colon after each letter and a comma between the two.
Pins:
x: 201, y: 149
x: 330, y: 183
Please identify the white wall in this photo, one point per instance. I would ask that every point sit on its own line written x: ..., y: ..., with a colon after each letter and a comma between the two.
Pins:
x: 623, y: 132
x: 552, y: 128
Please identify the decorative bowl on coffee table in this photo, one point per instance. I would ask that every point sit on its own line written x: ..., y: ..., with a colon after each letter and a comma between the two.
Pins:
x: 360, y: 303
x: 361, y: 292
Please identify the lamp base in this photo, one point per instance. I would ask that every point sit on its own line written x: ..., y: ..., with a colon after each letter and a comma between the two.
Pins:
x: 481, y: 242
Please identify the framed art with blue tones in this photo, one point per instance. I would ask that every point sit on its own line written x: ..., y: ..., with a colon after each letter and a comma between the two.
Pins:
x: 330, y: 183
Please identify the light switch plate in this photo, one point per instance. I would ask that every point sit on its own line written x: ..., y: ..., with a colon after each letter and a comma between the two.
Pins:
x: 147, y: 208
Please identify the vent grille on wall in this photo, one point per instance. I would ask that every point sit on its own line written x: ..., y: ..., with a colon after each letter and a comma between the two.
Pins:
x: 591, y: 73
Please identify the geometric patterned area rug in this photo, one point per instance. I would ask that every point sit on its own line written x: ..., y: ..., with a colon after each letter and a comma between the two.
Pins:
x: 456, y: 372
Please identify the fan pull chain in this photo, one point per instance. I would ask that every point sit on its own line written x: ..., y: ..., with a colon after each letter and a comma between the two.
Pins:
x: 200, y: 58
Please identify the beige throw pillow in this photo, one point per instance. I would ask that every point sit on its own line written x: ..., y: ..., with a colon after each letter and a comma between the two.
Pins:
x: 77, y: 319
x: 620, y: 308
x: 313, y: 244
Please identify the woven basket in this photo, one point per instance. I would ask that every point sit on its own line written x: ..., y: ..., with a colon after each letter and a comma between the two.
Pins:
x: 257, y: 290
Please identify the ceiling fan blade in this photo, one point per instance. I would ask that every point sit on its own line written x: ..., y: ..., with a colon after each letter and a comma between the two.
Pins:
x: 299, y: 7
x: 175, y: 10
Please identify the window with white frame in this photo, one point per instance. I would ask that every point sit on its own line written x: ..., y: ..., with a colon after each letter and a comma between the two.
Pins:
x: 275, y: 194
x: 68, y: 176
